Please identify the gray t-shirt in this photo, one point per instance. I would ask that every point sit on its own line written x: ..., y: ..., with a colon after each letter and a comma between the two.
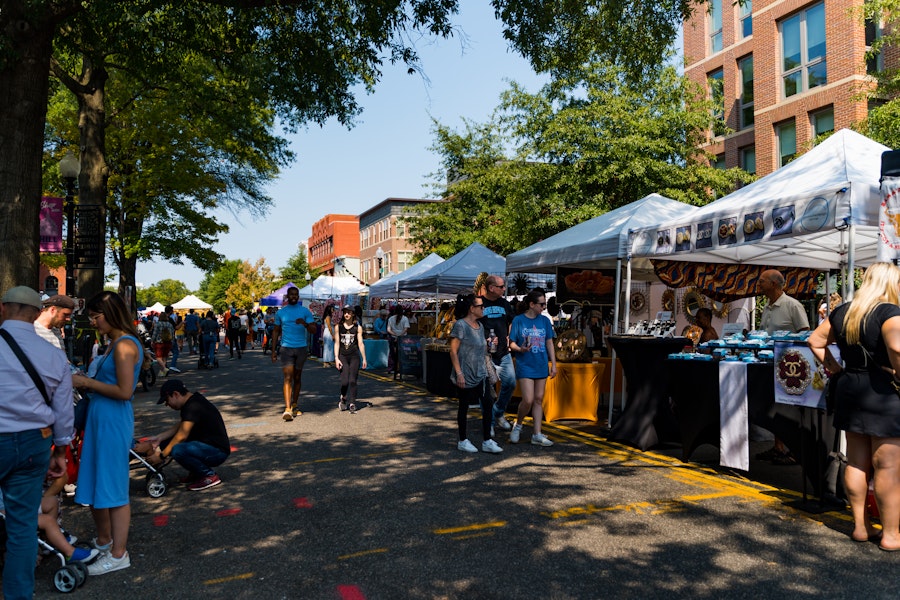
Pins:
x: 471, y: 353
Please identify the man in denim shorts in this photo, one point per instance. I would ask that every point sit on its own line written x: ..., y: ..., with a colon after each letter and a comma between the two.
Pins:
x: 292, y: 323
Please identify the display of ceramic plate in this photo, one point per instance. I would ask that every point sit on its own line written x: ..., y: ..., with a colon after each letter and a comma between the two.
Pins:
x: 668, y: 300
x: 638, y: 302
x: 570, y: 345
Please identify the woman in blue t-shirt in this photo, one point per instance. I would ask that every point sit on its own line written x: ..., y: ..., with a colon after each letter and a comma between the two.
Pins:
x: 531, y: 344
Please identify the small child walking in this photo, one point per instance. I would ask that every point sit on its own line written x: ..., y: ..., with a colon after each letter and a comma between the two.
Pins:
x: 349, y: 354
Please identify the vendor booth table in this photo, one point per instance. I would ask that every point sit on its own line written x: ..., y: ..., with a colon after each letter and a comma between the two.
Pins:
x: 376, y: 354
x: 574, y: 393
x: 437, y: 375
x: 647, y: 418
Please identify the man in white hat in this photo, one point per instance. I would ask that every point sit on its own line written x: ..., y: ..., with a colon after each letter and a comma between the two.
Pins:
x: 41, y: 415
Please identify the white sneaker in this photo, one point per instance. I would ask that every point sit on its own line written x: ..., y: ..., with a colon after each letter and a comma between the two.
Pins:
x: 466, y: 446
x: 107, y: 564
x: 502, y: 423
x: 539, y: 439
x: 175, y: 369
x: 514, y: 434
x: 491, y: 446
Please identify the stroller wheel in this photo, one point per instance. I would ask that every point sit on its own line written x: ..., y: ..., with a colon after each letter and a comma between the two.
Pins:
x: 151, y: 377
x: 65, y: 579
x: 81, y: 572
x: 156, y: 485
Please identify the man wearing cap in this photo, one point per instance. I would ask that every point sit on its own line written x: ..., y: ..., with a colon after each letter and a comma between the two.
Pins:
x: 292, y: 324
x: 56, y: 313
x: 199, y: 442
x: 30, y: 421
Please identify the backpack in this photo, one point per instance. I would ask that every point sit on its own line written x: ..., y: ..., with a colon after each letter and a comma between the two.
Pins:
x: 234, y: 323
x: 165, y: 336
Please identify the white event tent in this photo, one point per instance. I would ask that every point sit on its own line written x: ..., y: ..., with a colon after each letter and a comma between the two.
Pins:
x: 819, y: 211
x: 191, y: 301
x: 458, y: 273
x: 327, y: 286
x: 391, y: 286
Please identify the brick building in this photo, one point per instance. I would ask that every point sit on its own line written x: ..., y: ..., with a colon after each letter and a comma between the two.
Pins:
x: 380, y: 228
x: 781, y: 72
x: 334, y: 245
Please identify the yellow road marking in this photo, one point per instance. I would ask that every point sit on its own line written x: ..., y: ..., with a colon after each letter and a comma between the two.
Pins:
x: 473, y: 527
x: 227, y: 579
x: 363, y: 553
x: 474, y: 535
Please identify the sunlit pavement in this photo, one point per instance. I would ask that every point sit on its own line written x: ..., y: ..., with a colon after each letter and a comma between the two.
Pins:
x: 381, y: 504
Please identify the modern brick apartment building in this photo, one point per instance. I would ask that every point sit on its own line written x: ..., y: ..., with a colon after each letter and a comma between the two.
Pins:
x: 782, y: 71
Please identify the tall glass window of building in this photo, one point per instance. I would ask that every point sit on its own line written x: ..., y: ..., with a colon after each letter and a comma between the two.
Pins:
x: 786, y: 137
x: 803, y: 51
x: 745, y: 17
x: 715, y: 26
x: 745, y: 66
x: 716, y: 82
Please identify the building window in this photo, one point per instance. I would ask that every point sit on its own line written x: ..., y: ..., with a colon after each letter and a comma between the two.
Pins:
x: 745, y: 66
x: 874, y: 62
x: 719, y: 163
x: 822, y: 122
x: 803, y: 51
x: 715, y: 26
x: 786, y: 138
x: 748, y: 159
x: 403, y: 260
x: 746, y: 18
x: 401, y: 230
x: 717, y: 97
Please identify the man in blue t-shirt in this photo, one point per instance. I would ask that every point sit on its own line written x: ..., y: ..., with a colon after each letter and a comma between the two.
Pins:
x: 192, y: 331
x: 292, y: 324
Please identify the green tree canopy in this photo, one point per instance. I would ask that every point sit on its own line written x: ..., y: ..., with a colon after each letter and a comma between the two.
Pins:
x: 254, y: 281
x: 584, y: 144
x: 294, y: 270
x: 165, y: 291
x: 214, y: 287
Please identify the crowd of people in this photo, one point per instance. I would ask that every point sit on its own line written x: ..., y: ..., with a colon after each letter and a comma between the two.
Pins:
x: 494, y: 348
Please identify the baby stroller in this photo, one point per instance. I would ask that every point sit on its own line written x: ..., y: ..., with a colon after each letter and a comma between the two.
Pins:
x: 155, y: 482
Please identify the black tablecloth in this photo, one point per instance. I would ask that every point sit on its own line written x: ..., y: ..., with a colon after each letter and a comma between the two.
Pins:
x: 647, y: 418
x: 694, y: 390
x: 437, y: 377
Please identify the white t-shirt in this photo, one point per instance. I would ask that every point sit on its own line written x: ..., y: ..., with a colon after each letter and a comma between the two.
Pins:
x: 396, y: 328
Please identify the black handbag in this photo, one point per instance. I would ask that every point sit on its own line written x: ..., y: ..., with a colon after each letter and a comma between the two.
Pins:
x: 831, y: 391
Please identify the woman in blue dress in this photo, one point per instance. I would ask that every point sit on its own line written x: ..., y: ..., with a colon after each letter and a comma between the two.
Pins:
x: 531, y: 343
x: 103, y: 471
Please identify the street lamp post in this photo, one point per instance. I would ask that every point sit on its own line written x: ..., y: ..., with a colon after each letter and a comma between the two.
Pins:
x: 69, y: 168
x: 379, y: 256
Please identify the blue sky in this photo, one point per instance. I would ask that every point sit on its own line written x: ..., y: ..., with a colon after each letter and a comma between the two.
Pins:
x: 387, y: 153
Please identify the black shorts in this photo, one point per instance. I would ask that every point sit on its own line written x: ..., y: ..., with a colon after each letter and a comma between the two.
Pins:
x: 293, y: 357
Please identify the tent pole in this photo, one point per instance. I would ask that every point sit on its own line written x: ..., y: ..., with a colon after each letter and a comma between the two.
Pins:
x: 627, y: 309
x: 615, y: 329
x: 851, y: 258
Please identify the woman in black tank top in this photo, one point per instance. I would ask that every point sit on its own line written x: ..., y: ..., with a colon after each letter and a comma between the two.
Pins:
x: 349, y: 354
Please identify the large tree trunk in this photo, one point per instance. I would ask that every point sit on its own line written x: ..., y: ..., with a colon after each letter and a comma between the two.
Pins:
x: 23, y: 108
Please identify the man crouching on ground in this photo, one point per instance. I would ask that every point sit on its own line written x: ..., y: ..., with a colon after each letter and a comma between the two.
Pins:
x: 199, y: 442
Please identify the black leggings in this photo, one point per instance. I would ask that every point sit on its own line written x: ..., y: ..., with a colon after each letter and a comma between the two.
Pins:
x: 474, y: 395
x: 349, y: 375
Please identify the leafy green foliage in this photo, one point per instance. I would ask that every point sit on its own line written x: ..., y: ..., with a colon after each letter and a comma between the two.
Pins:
x: 583, y: 145
x: 253, y: 282
x: 214, y: 287
x: 294, y: 271
x: 165, y: 291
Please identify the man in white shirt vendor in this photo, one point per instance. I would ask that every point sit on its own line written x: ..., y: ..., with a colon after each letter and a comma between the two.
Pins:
x: 30, y: 421
x: 55, y: 315
x: 783, y: 313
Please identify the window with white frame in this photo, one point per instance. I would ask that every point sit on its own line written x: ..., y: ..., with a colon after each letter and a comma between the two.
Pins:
x: 745, y: 18
x: 745, y: 66
x: 822, y: 121
x: 403, y: 260
x: 715, y: 26
x: 803, y: 63
x: 786, y: 140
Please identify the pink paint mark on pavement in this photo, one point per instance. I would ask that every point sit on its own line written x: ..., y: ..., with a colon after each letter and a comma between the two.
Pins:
x: 227, y: 512
x: 302, y: 503
x: 350, y: 592
x: 161, y: 520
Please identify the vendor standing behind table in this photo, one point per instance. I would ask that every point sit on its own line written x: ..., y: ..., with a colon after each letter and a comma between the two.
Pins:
x: 783, y: 313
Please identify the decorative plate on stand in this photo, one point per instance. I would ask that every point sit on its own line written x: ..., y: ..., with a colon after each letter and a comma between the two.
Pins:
x: 668, y: 300
x: 638, y: 302
x: 570, y: 345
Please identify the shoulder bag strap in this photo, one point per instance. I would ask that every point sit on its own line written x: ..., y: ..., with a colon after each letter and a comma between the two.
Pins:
x: 38, y: 382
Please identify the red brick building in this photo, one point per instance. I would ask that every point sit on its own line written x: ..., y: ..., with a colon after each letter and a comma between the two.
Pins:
x: 781, y: 71
x: 334, y: 245
x: 381, y: 228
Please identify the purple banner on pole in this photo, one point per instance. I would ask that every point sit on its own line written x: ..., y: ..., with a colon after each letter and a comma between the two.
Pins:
x: 51, y: 224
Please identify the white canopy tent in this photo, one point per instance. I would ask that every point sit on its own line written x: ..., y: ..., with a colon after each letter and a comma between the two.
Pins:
x: 391, y: 286
x: 191, y: 301
x: 820, y: 211
x: 158, y: 308
x: 457, y: 273
x: 326, y: 286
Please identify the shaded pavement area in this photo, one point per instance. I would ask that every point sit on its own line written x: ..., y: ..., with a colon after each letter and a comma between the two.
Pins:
x: 381, y: 505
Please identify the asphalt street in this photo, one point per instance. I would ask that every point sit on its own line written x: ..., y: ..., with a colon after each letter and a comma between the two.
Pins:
x: 381, y: 505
